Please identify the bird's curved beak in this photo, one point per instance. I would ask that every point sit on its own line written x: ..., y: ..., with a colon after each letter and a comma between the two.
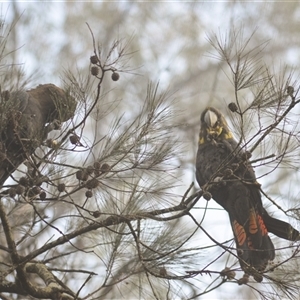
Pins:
x: 210, y: 118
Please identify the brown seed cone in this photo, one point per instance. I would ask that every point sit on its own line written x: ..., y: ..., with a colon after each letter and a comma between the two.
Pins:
x: 105, y: 168
x: 97, y: 214
x: 61, y: 187
x: 94, y: 59
x: 43, y: 195
x: 115, y: 76
x: 233, y: 107
x: 89, y: 194
x: 20, y: 189
x: 92, y: 183
x: 94, y: 71
x: 207, y: 195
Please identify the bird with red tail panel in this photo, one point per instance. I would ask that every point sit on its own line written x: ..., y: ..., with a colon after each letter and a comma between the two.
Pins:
x: 223, y: 170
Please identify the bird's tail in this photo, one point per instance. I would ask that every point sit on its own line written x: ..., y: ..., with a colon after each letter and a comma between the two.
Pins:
x: 254, y: 246
x: 280, y: 228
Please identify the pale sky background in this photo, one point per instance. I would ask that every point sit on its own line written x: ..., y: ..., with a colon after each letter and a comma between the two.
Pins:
x: 213, y: 16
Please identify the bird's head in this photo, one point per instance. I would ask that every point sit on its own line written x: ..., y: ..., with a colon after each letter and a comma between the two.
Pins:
x: 213, y: 126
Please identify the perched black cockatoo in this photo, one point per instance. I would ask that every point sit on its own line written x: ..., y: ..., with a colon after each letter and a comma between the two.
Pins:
x: 26, y: 117
x: 223, y: 169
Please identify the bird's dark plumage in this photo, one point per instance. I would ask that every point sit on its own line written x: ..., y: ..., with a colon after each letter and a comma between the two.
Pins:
x: 25, y: 117
x: 223, y: 169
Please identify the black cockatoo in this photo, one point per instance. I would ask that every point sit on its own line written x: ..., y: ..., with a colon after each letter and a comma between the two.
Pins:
x: 26, y: 117
x: 223, y: 169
